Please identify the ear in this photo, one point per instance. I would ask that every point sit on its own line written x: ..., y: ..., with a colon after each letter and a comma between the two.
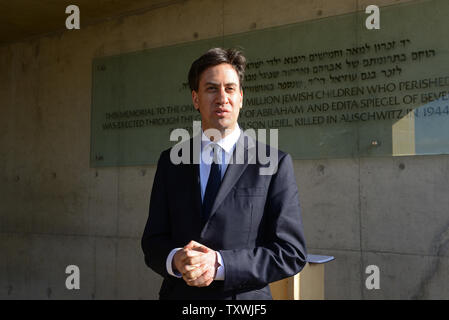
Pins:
x: 195, y: 100
x: 241, y: 97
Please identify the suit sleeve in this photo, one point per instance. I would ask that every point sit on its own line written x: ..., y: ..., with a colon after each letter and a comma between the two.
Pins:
x: 283, y: 253
x: 156, y: 240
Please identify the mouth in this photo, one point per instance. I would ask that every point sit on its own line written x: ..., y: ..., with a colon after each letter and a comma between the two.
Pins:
x: 221, y: 112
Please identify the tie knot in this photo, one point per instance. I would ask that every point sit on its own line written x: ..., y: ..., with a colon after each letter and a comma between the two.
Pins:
x: 215, y: 153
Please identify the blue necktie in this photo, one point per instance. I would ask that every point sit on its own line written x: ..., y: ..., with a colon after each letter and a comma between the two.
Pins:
x: 213, y: 184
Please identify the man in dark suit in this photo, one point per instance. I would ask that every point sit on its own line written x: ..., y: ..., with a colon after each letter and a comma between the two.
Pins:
x: 226, y: 223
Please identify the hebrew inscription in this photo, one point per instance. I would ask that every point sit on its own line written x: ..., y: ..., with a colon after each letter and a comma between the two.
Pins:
x: 329, y: 90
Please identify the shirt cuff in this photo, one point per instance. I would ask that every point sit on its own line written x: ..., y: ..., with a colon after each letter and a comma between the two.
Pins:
x: 168, y: 264
x: 220, y: 275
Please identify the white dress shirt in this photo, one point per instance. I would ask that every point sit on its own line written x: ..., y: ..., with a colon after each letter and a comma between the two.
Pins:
x: 227, y: 144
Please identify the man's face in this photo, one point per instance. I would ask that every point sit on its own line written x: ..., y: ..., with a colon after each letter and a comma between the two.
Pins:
x: 219, y: 98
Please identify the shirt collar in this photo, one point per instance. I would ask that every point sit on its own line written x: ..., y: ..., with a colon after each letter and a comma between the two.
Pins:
x: 227, y: 143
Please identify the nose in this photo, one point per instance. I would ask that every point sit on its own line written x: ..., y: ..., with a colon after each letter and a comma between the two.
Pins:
x: 222, y: 97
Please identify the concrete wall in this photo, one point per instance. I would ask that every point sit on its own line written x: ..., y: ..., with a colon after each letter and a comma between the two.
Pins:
x: 56, y: 211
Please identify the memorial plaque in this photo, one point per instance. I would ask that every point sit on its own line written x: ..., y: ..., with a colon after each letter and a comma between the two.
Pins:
x: 332, y: 87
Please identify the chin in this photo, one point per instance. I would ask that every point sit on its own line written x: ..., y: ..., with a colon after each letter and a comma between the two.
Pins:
x: 223, y: 125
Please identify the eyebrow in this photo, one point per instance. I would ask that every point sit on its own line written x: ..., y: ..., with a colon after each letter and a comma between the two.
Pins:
x: 217, y: 84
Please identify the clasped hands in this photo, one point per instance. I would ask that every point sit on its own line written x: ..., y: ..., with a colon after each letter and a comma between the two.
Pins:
x: 197, y: 263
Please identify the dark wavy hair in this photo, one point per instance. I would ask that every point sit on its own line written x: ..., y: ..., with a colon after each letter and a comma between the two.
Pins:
x: 215, y: 57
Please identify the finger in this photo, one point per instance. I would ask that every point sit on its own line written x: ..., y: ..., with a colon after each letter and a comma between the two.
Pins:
x: 203, y: 280
x: 203, y: 258
x: 189, y: 267
x: 186, y: 254
x: 194, y: 282
x: 193, y: 258
x: 202, y: 249
x: 194, y: 274
x: 193, y: 253
x: 185, y: 268
x: 192, y: 244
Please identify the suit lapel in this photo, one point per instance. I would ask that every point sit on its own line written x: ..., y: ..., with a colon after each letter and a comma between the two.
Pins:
x: 196, y: 185
x: 196, y: 194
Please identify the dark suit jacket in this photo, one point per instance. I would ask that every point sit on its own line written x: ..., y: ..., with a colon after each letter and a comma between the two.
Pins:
x: 255, y: 224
